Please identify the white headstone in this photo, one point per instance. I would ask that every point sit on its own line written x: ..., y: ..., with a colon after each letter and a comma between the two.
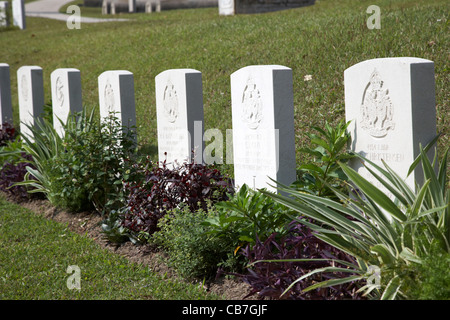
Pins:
x: 148, y: 7
x: 3, y: 14
x: 116, y: 97
x: 391, y: 102
x: 104, y: 7
x: 30, y: 89
x: 66, y: 95
x: 263, y: 126
x: 226, y: 7
x: 18, y: 11
x: 131, y: 5
x: 6, y: 115
x: 179, y: 111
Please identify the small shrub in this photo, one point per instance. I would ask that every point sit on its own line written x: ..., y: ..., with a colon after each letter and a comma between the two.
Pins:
x: 270, y: 279
x: 162, y: 189
x: 192, y: 251
x: 86, y: 168
x: 95, y: 163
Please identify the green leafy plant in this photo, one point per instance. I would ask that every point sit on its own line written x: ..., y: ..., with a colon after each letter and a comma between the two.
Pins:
x: 86, y: 168
x: 97, y: 160
x: 44, y: 146
x: 191, y: 250
x: 329, y: 148
x: 248, y: 215
x: 381, y: 234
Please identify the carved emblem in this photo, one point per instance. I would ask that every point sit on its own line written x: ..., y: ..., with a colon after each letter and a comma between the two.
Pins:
x: 252, y: 105
x: 59, y: 91
x: 109, y: 97
x: 170, y: 102
x: 226, y: 4
x: 24, y: 87
x: 376, y: 109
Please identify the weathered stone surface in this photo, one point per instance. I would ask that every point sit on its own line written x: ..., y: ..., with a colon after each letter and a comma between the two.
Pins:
x: 66, y: 96
x: 30, y: 86
x: 179, y: 109
x: 391, y: 103
x: 263, y: 126
x: 6, y: 114
x: 116, y: 97
x: 18, y: 11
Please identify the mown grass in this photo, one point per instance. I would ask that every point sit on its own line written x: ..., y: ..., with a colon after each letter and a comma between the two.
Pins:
x: 321, y: 40
x: 35, y: 253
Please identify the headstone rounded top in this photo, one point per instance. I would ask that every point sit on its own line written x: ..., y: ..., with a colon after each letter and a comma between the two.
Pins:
x: 399, y: 60
x: 182, y: 71
x: 262, y: 67
x: 29, y: 67
x: 65, y: 70
x: 116, y: 72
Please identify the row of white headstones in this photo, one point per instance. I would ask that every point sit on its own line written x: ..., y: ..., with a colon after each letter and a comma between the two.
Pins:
x: 389, y: 101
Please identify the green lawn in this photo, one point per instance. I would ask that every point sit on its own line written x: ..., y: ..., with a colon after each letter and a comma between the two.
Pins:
x: 321, y: 40
x: 35, y: 253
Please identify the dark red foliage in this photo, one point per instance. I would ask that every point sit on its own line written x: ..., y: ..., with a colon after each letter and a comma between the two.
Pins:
x: 12, y: 173
x: 7, y: 133
x: 164, y: 188
x: 270, y: 279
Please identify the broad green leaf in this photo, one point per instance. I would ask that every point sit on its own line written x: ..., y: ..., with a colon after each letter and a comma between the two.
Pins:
x: 374, y: 193
x: 417, y: 205
x: 384, y: 253
x: 442, y: 175
x: 312, y: 167
x: 332, y: 282
x: 321, y: 270
x: 409, y: 255
x: 392, y: 288
x: 426, y: 149
x: 321, y: 143
x: 395, y: 192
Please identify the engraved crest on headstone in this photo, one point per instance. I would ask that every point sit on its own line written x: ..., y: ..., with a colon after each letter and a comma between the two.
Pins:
x: 170, y: 102
x: 377, y: 110
x: 24, y: 87
x: 109, y: 97
x: 59, y: 91
x: 252, y: 105
x: 226, y: 7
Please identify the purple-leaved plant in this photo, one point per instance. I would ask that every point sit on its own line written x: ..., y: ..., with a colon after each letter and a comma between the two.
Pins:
x: 270, y: 279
